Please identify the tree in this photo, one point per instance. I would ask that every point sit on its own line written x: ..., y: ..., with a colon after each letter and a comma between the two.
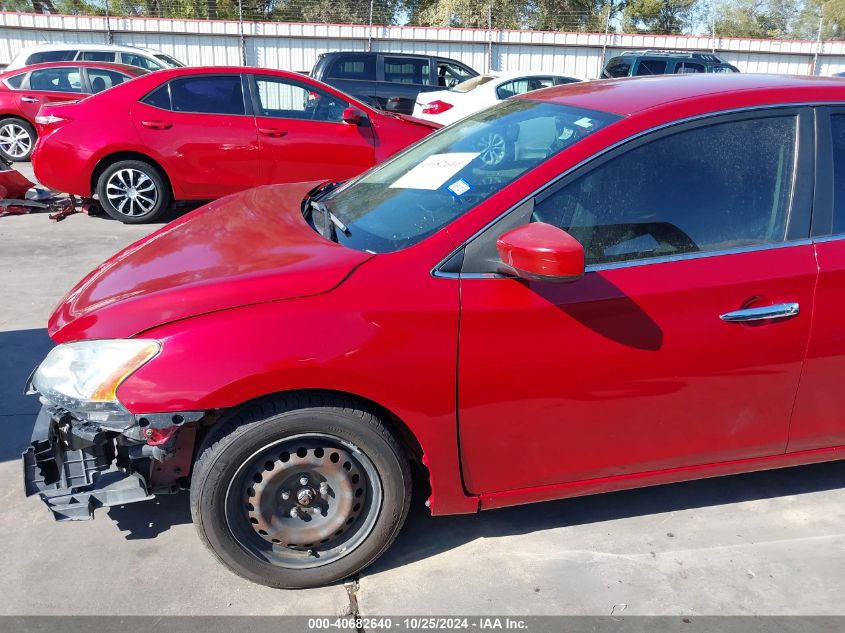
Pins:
x: 570, y: 15
x: 659, y: 16
x: 758, y: 18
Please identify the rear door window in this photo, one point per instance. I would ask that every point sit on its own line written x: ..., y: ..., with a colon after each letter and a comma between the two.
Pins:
x: 837, y: 127
x: 360, y: 67
x: 651, y: 67
x: 159, y: 98
x: 101, y: 79
x: 208, y: 94
x: 407, y: 70
x: 56, y: 80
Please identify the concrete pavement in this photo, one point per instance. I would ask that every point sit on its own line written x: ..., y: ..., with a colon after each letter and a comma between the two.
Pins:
x: 764, y: 543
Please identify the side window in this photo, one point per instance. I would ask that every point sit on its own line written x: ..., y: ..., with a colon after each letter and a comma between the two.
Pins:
x: 407, y: 70
x: 686, y: 68
x: 208, y: 94
x: 617, y: 67
x: 521, y: 86
x: 288, y: 100
x: 720, y: 186
x: 16, y: 81
x: 50, y: 56
x: 651, y: 67
x: 98, y: 56
x: 361, y: 67
x: 56, y: 80
x: 140, y: 61
x: 101, y: 79
x: 159, y: 98
x: 837, y: 126
x: 450, y: 74
x: 724, y: 69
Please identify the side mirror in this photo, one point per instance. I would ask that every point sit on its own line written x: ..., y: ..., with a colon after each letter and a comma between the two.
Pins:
x: 541, y: 252
x: 354, y: 116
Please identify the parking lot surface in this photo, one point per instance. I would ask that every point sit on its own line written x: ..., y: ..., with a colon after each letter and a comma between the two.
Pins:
x: 764, y: 543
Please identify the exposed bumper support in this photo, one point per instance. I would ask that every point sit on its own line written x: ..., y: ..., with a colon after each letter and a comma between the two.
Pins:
x: 71, y: 464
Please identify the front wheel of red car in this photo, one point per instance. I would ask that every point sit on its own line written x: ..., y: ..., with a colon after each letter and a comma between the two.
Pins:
x: 300, y: 491
x: 133, y: 192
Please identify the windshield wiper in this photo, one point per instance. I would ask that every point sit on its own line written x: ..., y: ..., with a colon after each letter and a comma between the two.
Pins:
x: 330, y: 220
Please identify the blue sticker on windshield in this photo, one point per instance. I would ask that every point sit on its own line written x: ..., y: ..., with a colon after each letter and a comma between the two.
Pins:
x: 459, y: 187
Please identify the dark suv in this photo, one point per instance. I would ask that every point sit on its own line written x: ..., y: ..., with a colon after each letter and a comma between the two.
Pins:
x: 641, y: 63
x: 390, y: 80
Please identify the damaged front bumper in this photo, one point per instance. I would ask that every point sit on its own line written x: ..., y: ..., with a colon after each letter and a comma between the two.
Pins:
x: 77, y: 465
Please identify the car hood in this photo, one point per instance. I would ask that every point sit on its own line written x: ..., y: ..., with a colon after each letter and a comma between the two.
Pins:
x: 247, y: 248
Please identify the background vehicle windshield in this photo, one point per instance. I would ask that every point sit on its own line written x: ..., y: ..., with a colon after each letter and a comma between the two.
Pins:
x: 418, y: 192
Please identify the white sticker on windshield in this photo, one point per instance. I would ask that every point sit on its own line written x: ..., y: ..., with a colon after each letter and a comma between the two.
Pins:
x: 584, y: 122
x: 459, y: 187
x: 434, y: 171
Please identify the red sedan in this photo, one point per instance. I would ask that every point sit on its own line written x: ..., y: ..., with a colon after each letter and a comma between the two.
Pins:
x: 25, y: 90
x: 202, y: 133
x: 646, y: 290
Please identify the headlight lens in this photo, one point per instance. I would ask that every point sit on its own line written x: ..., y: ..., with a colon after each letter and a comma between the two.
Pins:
x: 83, y: 377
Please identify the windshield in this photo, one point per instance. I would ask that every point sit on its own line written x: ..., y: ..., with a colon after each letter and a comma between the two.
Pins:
x: 169, y: 61
x: 423, y: 189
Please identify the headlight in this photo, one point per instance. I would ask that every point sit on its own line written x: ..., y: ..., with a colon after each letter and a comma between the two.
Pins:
x: 83, y: 377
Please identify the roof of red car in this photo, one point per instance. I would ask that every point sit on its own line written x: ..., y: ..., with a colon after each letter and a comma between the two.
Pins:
x: 635, y: 94
x: 130, y: 70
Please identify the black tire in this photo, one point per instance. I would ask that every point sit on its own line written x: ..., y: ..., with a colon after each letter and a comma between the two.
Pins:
x: 228, y: 457
x: 17, y: 139
x: 133, y: 192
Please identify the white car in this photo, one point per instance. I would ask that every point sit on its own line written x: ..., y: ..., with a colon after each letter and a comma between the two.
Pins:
x: 472, y: 95
x: 145, y: 58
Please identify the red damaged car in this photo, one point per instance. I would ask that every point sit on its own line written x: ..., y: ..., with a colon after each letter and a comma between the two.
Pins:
x: 646, y: 290
x: 202, y: 133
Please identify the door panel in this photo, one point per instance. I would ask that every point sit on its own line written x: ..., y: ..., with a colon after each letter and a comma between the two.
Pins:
x: 302, y: 136
x: 207, y: 154
x: 628, y: 370
x: 636, y: 367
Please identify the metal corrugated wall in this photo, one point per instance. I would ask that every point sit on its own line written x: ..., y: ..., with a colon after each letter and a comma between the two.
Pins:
x: 296, y: 46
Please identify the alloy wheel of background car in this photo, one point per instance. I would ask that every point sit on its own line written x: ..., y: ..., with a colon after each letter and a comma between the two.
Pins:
x: 493, y: 149
x: 132, y: 192
x: 17, y: 138
x: 309, y: 494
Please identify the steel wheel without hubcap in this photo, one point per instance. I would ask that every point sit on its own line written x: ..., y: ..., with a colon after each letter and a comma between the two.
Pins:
x: 131, y: 192
x: 492, y: 148
x: 304, y: 501
x: 15, y: 140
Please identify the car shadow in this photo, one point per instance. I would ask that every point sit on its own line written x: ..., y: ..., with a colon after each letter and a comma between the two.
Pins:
x: 425, y: 536
x: 20, y: 352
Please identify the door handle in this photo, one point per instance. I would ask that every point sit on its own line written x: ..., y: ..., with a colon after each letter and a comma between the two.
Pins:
x: 272, y: 131
x: 777, y: 311
x: 157, y: 125
x: 29, y: 99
